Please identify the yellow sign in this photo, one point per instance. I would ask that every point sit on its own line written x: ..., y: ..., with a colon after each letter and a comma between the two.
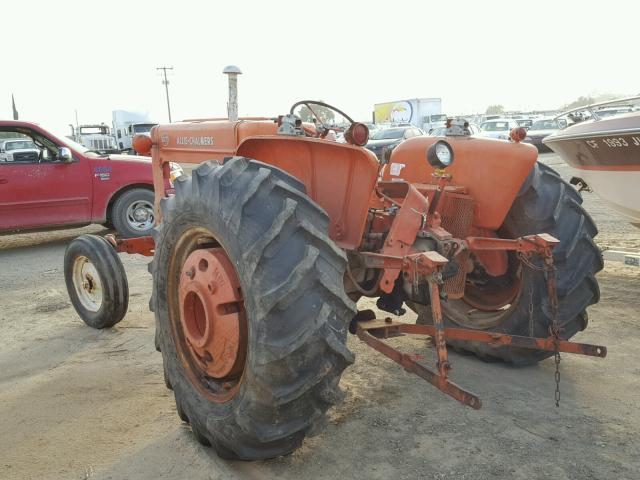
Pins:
x: 393, y: 112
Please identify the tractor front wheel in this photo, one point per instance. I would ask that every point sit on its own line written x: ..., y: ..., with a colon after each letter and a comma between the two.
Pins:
x: 96, y: 281
x: 251, y: 313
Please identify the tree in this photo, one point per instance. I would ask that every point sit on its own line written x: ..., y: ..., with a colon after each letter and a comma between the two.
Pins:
x: 495, y: 110
x: 588, y: 100
x: 326, y: 115
x: 580, y: 102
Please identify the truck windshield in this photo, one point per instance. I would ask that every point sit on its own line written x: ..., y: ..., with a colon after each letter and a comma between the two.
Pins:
x: 142, y: 128
x: 438, y: 118
x: 99, y: 130
x: 19, y: 145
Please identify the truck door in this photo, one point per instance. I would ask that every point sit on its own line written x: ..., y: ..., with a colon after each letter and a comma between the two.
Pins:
x: 41, y: 189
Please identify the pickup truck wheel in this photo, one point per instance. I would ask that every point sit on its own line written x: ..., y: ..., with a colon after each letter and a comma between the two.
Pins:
x: 96, y: 281
x: 133, y: 214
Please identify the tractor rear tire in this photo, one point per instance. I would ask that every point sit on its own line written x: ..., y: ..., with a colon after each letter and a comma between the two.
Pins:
x: 546, y: 204
x: 297, y: 313
x: 96, y: 281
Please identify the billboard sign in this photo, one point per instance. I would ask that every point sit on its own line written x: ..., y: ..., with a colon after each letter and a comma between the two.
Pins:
x: 394, y: 112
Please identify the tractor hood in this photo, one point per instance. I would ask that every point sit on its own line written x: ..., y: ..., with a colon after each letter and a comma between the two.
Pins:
x: 491, y: 171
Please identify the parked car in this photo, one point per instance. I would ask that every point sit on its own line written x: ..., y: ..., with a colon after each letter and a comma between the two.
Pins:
x: 432, y: 122
x: 442, y: 131
x: 542, y: 128
x: 525, y: 122
x: 373, y: 128
x: 610, y: 112
x: 390, y: 138
x: 18, y: 150
x: 498, y: 128
x: 67, y: 184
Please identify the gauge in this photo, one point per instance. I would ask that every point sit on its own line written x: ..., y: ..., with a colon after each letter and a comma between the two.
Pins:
x: 440, y: 154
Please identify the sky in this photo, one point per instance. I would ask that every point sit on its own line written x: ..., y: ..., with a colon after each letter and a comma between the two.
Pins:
x: 94, y: 57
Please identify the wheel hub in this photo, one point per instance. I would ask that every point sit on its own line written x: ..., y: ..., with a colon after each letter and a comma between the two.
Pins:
x: 212, y: 313
x: 141, y: 214
x: 87, y: 284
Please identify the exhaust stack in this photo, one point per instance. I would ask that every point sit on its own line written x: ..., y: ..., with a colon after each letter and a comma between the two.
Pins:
x: 232, y: 105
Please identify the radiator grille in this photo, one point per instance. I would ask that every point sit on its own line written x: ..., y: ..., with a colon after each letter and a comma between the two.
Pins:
x: 457, y: 214
x: 25, y: 157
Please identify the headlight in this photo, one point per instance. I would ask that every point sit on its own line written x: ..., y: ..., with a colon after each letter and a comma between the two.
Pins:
x: 175, y: 171
x: 440, y: 154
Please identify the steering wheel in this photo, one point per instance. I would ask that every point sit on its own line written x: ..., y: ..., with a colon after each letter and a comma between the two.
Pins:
x: 324, y: 129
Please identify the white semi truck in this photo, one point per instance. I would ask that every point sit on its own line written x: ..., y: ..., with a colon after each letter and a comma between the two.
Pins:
x: 95, y: 137
x: 127, y: 124
x: 424, y: 113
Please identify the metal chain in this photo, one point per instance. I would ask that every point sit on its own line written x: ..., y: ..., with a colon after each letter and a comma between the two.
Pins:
x: 554, y: 330
x: 557, y: 393
x: 525, y: 259
x: 531, y: 309
x: 414, y: 281
x: 550, y: 272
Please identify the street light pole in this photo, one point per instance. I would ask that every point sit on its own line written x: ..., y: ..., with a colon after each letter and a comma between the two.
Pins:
x: 165, y: 82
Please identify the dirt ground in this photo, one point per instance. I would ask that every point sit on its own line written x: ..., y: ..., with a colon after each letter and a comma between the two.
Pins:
x: 77, y: 403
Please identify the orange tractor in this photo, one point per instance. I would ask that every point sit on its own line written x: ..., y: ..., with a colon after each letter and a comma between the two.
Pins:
x: 260, y: 256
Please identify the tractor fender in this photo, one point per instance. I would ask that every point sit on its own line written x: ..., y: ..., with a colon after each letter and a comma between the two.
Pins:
x: 337, y: 176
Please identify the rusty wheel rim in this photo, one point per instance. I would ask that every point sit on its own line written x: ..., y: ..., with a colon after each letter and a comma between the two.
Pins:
x: 87, y: 283
x: 482, y: 308
x: 211, y: 312
x: 207, y: 314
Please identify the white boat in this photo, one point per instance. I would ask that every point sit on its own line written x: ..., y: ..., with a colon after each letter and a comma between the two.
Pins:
x: 604, y: 151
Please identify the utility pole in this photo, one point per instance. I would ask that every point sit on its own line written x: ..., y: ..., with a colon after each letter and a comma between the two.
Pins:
x: 165, y: 82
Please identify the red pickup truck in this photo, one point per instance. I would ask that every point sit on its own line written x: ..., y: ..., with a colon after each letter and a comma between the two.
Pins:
x: 58, y: 182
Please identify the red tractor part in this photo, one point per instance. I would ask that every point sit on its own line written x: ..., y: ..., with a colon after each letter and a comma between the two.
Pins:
x: 212, y: 313
x: 260, y: 255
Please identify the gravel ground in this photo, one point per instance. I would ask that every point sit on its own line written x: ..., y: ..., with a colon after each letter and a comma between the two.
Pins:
x: 77, y: 403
